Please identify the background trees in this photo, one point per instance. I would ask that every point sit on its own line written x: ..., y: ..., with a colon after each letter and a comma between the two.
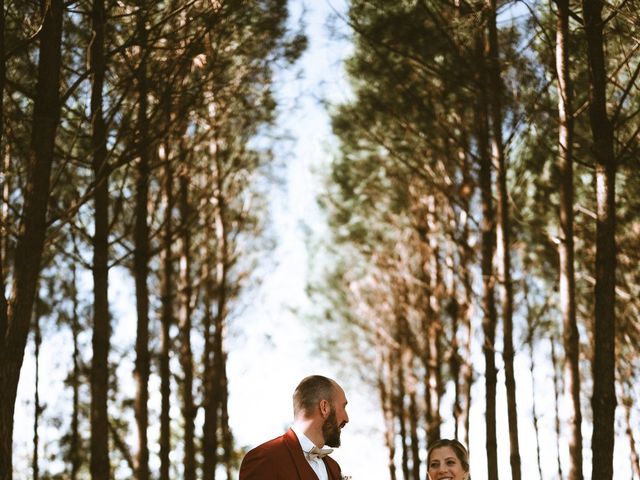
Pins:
x: 455, y: 184
x: 140, y: 163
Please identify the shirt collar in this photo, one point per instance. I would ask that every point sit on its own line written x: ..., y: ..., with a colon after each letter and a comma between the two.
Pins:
x: 305, y: 443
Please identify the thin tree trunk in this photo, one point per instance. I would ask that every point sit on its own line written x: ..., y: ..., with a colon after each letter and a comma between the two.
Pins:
x: 565, y: 248
x: 74, y: 444
x: 165, y: 393
x: 37, y: 408
x: 604, y: 399
x: 186, y: 355
x: 166, y: 321
x: 399, y: 410
x: 211, y: 392
x: 222, y: 271
x: 489, y: 319
x: 141, y: 259
x: 557, y: 388
x: 413, y: 427
x: 534, y: 411
x: 503, y: 242
x: 466, y: 306
x: 384, y: 378
x: 100, y: 469
x: 227, y: 437
x: 15, y: 315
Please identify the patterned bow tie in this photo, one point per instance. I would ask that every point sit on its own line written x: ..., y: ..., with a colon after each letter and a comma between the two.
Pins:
x: 316, y: 452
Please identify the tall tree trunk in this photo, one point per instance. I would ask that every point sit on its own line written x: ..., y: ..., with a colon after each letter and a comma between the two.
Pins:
x: 166, y: 321
x: 214, y: 273
x: 141, y: 257
x: 186, y: 355
x: 487, y: 227
x: 399, y: 408
x: 74, y: 444
x: 227, y: 437
x: 503, y: 242
x: 534, y: 411
x: 15, y: 315
x: 100, y: 468
x: 604, y: 399
x: 413, y: 426
x: 565, y: 249
x: 37, y: 408
x: 211, y: 399
x: 223, y: 263
x: 386, y: 402
x: 557, y: 388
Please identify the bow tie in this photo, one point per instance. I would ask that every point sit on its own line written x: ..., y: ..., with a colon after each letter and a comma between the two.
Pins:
x: 316, y: 452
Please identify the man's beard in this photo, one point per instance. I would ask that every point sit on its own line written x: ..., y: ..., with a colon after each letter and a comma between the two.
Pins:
x: 331, y: 430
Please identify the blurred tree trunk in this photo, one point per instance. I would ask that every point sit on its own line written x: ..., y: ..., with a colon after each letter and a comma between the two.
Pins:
x: 531, y: 323
x: 604, y: 399
x: 413, y: 425
x: 37, y: 408
x: 565, y: 248
x: 503, y: 234
x: 211, y: 391
x: 100, y: 469
x: 384, y: 376
x: 557, y: 388
x: 489, y: 314
x: 74, y: 443
x: 399, y: 396
x: 184, y: 322
x: 141, y: 254
x: 223, y: 262
x: 166, y: 318
x: 16, y: 314
x: 227, y: 437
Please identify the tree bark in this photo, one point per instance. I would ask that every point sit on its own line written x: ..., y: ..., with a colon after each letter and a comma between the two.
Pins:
x: 487, y: 248
x: 186, y: 355
x: 384, y: 377
x: 15, y: 315
x: 166, y: 321
x: 100, y: 468
x: 141, y: 258
x: 556, y: 396
x: 503, y: 234
x: 566, y: 246
x: 74, y: 444
x: 604, y: 399
x: 37, y: 408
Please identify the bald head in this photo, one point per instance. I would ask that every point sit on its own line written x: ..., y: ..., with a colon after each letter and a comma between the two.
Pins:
x: 310, y: 392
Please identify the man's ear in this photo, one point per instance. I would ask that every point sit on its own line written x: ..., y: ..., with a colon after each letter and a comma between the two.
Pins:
x: 324, y: 408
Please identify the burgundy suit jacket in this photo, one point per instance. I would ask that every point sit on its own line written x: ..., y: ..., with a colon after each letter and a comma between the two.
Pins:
x: 283, y: 459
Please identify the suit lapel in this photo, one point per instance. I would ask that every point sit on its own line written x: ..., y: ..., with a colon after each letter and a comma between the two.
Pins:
x: 332, y: 470
x: 305, y: 472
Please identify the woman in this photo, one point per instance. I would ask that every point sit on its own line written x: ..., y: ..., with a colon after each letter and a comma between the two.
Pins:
x: 448, y: 459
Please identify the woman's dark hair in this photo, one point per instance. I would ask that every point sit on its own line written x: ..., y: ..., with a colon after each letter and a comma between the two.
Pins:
x: 310, y: 391
x: 456, y: 446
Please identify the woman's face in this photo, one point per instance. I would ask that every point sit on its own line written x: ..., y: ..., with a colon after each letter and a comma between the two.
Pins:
x: 445, y: 465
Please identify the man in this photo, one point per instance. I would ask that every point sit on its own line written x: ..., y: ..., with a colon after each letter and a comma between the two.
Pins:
x: 319, y: 410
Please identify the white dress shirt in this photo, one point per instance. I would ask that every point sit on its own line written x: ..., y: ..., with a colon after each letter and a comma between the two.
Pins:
x: 316, y: 464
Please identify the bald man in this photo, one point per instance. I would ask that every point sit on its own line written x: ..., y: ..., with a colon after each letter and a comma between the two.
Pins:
x: 319, y: 410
